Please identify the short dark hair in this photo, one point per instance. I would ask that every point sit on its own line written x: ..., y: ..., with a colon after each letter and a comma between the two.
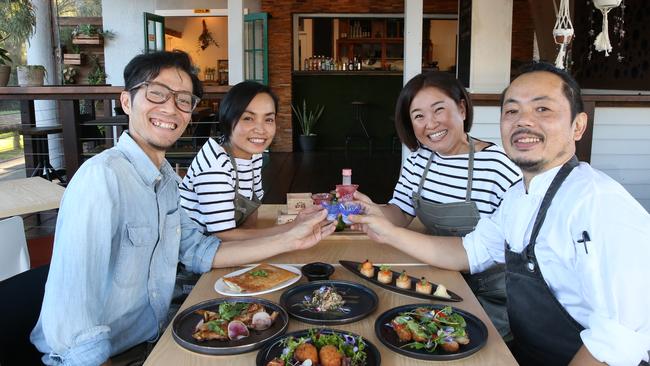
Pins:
x: 235, y: 102
x: 147, y: 66
x: 442, y: 81
x: 570, y: 87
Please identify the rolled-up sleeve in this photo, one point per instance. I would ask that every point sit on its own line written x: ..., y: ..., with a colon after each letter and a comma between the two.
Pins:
x: 71, y: 330
x: 197, y: 250
x: 615, y: 280
x: 486, y: 244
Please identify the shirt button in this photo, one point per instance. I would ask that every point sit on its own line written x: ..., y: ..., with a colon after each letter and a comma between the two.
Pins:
x: 531, y: 266
x: 178, y: 230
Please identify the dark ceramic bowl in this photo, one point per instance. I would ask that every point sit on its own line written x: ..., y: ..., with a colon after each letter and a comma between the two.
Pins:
x: 317, y: 271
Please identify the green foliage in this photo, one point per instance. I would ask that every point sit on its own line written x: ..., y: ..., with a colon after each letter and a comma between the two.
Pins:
x: 69, y: 74
x: 90, y: 30
x: 17, y: 19
x: 97, y: 75
x: 79, y: 8
x: 307, y: 118
x: 4, y: 56
x: 206, y: 39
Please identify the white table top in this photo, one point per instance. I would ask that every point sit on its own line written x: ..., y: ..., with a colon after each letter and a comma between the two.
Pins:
x: 28, y: 195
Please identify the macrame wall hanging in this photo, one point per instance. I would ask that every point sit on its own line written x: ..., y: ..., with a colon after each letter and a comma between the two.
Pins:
x: 602, y: 39
x: 562, y: 32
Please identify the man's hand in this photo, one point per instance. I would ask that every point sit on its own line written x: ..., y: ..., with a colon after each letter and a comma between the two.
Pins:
x: 373, y: 223
x: 311, y: 228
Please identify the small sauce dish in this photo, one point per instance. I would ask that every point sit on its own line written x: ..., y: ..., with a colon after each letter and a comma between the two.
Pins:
x: 317, y: 271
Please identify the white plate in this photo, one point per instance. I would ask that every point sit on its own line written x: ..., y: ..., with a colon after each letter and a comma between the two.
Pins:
x: 224, y: 289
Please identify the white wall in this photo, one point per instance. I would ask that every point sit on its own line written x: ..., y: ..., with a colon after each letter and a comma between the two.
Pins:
x: 491, y: 44
x: 443, y: 34
x: 125, y: 18
x: 621, y: 148
x: 191, y: 28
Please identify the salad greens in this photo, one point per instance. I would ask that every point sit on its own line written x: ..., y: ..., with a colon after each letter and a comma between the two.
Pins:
x: 229, y: 310
x: 349, y: 346
x: 431, y: 328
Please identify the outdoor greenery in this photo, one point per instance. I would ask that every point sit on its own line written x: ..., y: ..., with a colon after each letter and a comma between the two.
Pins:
x: 69, y: 74
x: 307, y: 118
x: 17, y: 19
x: 17, y: 23
x: 79, y: 8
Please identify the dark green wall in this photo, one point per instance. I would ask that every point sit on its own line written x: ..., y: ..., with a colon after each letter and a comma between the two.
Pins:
x: 336, y: 91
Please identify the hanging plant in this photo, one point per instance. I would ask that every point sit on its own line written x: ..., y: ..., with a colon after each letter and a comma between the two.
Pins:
x: 206, y: 39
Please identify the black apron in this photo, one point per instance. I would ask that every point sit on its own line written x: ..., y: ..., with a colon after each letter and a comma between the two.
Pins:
x: 544, y: 332
x: 459, y: 219
x: 244, y: 206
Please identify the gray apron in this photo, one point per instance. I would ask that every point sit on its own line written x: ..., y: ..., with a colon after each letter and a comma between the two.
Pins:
x: 244, y: 207
x: 459, y: 219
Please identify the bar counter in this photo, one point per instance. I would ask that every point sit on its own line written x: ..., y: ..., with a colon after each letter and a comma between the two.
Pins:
x: 332, y: 249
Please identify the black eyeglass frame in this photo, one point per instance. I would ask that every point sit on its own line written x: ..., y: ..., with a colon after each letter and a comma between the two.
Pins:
x: 175, y: 93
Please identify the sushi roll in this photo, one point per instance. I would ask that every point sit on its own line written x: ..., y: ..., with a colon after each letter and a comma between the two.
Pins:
x: 367, y: 269
x: 441, y: 291
x: 403, y: 281
x: 385, y: 274
x: 423, y: 286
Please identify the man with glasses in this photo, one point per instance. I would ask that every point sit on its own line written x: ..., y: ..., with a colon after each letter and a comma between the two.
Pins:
x: 120, y: 231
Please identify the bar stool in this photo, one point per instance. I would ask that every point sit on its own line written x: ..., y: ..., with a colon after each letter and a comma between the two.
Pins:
x: 38, y: 137
x: 358, y: 115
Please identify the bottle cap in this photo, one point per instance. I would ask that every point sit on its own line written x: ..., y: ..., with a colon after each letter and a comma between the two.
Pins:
x: 347, y: 172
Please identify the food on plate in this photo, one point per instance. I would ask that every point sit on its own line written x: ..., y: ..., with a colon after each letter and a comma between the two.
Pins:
x: 385, y: 274
x: 322, y: 348
x: 232, y: 321
x: 330, y: 356
x: 441, y: 291
x: 259, y: 278
x: 323, y: 299
x: 367, y: 269
x: 403, y: 281
x: 306, y: 351
x: 427, y: 328
x: 423, y: 286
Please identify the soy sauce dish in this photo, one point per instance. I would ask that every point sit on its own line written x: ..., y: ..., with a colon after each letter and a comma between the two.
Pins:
x: 317, y: 271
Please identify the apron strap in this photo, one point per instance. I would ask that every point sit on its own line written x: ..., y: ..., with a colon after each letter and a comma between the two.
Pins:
x: 234, y: 166
x: 546, y: 202
x: 424, y: 172
x: 470, y: 169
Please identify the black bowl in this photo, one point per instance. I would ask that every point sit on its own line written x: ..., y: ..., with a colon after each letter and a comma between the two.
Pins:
x: 317, y: 271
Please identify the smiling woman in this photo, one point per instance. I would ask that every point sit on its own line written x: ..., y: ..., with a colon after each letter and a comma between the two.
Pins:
x: 223, y: 186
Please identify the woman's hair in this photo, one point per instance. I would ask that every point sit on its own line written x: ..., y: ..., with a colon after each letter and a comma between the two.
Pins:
x: 235, y: 102
x: 442, y: 81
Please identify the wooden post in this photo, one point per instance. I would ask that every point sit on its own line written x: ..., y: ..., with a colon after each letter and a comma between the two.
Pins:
x: 28, y: 119
x: 70, y: 120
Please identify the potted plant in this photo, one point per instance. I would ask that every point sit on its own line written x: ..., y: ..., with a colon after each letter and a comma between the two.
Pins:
x: 307, y: 119
x: 97, y: 75
x: 5, y: 70
x: 30, y: 75
x: 206, y: 39
x: 89, y: 34
x: 69, y: 74
x: 71, y: 51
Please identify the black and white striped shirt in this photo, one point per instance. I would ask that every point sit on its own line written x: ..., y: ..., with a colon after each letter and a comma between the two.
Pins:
x: 208, y: 189
x: 446, y: 180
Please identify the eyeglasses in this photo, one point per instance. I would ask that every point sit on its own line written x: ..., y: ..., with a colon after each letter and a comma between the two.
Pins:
x: 159, y: 93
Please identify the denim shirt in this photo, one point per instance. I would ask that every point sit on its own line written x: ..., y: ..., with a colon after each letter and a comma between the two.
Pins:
x: 119, y: 236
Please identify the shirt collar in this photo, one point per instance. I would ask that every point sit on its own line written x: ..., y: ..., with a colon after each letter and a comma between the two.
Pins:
x: 540, y: 183
x: 145, y: 168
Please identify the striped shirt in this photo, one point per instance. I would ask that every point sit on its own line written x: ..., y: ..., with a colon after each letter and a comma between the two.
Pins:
x: 446, y: 180
x: 208, y: 189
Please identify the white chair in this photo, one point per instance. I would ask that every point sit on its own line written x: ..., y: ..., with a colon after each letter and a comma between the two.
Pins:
x: 14, y: 256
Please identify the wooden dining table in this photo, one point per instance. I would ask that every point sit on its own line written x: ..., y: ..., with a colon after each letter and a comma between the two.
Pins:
x: 28, y: 195
x: 352, y: 246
